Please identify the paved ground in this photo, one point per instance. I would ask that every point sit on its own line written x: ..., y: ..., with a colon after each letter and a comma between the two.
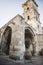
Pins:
x: 34, y: 61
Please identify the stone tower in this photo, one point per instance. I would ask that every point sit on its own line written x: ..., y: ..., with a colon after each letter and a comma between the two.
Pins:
x: 32, y: 15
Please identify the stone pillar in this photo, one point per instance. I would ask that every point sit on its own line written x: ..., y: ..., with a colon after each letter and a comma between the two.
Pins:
x: 35, y: 45
x: 17, y: 47
x: 34, y: 49
x: 17, y: 51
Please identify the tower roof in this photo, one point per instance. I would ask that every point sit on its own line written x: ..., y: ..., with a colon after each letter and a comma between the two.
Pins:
x: 35, y: 3
x: 25, y: 4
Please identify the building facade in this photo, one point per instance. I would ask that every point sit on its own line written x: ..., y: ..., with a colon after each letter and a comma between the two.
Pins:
x: 23, y: 35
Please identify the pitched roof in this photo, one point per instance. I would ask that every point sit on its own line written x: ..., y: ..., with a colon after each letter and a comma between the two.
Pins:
x: 12, y: 21
x: 25, y: 4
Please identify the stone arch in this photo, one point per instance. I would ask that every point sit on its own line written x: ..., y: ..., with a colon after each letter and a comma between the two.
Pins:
x: 30, y: 32
x: 6, y: 40
x: 28, y: 37
x: 29, y: 40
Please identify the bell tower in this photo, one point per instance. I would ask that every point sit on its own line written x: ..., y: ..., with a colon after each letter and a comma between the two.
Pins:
x: 31, y: 14
x: 30, y: 10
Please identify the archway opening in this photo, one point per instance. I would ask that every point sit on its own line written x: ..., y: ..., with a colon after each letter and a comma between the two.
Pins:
x: 28, y: 42
x: 6, y: 40
x: 28, y: 38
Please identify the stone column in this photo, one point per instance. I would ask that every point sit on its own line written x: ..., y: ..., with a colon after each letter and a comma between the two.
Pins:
x: 17, y: 48
x: 34, y: 49
x: 35, y: 46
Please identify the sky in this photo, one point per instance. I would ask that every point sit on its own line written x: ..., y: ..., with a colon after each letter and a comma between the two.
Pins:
x: 10, y: 8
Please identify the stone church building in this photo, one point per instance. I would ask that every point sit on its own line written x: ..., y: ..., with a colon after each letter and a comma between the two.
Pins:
x: 23, y: 34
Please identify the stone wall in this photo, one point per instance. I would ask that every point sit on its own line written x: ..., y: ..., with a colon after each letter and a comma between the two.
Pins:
x: 17, y: 46
x: 40, y: 41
